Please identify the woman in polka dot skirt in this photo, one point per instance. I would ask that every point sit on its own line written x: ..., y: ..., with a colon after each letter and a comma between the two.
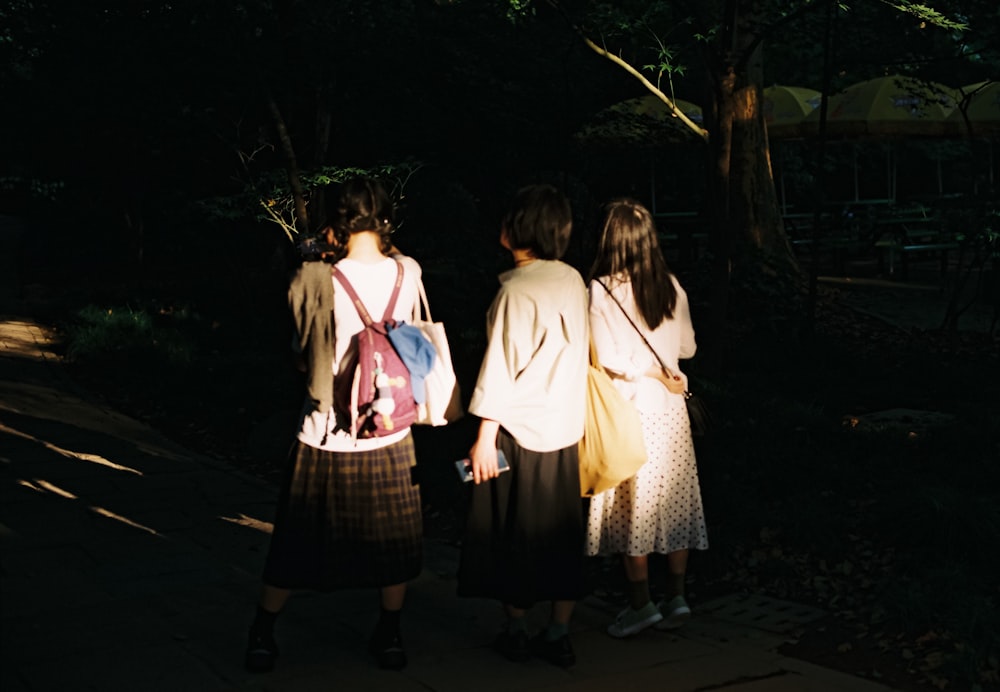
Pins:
x: 637, y: 306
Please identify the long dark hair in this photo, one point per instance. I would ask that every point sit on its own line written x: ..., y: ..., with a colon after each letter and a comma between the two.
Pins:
x: 629, y: 246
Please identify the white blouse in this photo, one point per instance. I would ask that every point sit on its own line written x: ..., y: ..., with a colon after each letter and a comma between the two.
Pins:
x: 622, y: 351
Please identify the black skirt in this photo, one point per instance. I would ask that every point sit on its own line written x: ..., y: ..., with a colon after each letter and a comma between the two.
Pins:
x: 347, y: 520
x: 524, y: 534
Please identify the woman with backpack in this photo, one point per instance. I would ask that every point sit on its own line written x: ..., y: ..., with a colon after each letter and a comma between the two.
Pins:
x: 349, y: 513
x: 524, y: 530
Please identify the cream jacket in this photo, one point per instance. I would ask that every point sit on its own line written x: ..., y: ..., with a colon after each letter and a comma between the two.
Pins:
x: 533, y: 377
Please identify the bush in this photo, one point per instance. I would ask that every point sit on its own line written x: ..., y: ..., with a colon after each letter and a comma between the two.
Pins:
x: 130, y: 338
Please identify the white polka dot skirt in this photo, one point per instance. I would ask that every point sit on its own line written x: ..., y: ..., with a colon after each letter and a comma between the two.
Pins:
x: 659, y: 510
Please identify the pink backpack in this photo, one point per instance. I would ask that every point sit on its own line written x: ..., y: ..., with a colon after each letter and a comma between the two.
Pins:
x: 373, y: 391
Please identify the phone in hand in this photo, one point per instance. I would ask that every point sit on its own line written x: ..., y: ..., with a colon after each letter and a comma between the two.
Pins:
x: 464, y: 467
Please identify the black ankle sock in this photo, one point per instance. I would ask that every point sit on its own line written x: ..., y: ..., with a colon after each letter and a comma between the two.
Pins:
x: 638, y: 593
x: 264, y: 621
x: 388, y: 625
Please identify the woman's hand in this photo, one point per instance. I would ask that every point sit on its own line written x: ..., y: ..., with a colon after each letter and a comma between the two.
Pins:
x: 483, y: 454
x: 673, y: 383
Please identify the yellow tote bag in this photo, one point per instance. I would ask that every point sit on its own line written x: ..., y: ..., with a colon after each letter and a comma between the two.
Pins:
x: 612, y: 449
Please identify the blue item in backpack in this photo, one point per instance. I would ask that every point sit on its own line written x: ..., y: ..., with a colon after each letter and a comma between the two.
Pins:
x: 417, y: 353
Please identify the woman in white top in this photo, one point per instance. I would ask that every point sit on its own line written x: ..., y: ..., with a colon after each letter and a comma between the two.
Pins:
x: 349, y: 513
x: 524, y: 528
x: 659, y: 510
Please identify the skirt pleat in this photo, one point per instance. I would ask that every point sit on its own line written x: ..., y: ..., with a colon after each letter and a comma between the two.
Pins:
x: 347, y: 520
x: 523, y: 541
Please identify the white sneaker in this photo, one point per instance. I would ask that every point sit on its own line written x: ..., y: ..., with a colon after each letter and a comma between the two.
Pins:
x: 673, y: 613
x: 631, y: 622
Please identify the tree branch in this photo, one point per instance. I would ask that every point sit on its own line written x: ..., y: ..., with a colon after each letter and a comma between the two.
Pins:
x: 694, y: 127
x: 690, y: 124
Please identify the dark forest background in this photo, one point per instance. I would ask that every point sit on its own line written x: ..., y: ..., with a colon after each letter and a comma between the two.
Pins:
x: 145, y: 146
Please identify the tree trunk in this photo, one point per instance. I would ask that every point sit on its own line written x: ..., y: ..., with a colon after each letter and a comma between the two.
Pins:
x: 291, y: 166
x: 718, y: 119
x: 748, y: 233
x: 752, y: 194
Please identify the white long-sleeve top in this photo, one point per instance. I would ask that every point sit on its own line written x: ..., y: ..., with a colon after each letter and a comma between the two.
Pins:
x: 622, y: 351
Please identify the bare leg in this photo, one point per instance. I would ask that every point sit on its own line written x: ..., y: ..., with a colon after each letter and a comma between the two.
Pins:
x: 636, y: 567
x: 392, y: 597
x: 514, y: 613
x: 562, y: 611
x: 273, y: 599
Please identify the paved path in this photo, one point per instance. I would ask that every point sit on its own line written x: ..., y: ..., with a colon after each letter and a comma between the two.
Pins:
x: 131, y: 564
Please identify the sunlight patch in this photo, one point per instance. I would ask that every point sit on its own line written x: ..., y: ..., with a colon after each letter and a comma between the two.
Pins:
x: 125, y: 520
x: 82, y: 456
x: 54, y: 489
x: 92, y: 458
x: 42, y: 486
x: 30, y: 485
x: 26, y: 340
x: 250, y: 522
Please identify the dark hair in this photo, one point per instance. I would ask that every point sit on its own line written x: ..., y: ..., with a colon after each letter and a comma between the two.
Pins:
x: 539, y: 219
x: 629, y: 245
x: 363, y: 205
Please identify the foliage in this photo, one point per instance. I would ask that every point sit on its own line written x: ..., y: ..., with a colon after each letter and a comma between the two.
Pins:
x: 133, y: 339
x: 269, y: 198
x: 927, y: 14
x: 38, y: 190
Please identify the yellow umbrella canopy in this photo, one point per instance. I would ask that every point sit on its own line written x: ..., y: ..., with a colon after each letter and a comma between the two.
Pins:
x: 785, y: 107
x: 640, y: 121
x: 979, y: 115
x: 886, y: 106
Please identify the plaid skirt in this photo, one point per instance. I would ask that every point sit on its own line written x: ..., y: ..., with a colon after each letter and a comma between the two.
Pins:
x: 347, y: 520
x: 524, y: 531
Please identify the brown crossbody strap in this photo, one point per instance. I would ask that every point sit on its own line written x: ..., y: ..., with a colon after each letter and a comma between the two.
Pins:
x: 639, y: 332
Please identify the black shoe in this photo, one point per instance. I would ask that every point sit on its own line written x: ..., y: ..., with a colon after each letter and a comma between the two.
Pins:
x: 513, y: 645
x: 261, y: 652
x: 388, y: 653
x: 558, y: 652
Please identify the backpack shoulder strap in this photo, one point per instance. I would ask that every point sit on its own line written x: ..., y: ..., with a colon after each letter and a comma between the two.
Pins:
x: 359, y: 306
x: 391, y: 306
